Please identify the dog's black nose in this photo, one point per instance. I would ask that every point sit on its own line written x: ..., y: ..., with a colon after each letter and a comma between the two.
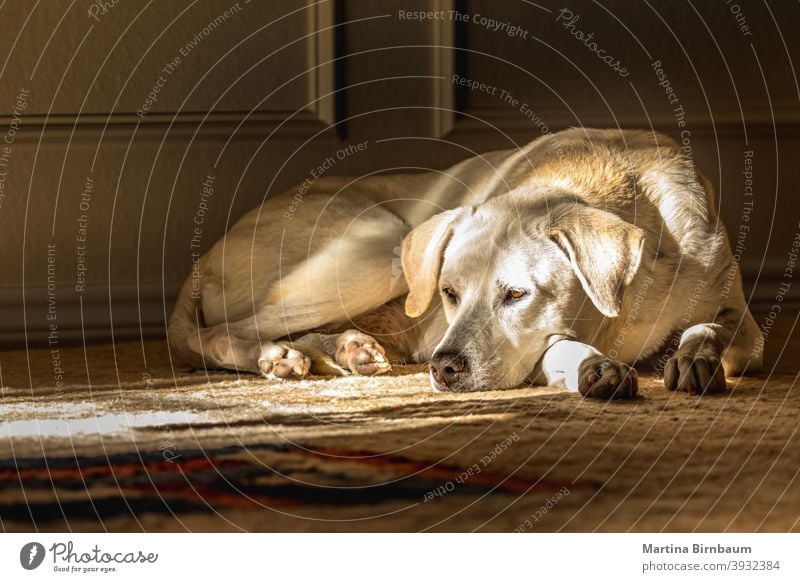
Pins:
x: 448, y: 367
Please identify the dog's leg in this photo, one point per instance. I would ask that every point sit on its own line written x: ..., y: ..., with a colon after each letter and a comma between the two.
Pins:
x: 327, y: 354
x: 732, y: 343
x: 274, y: 360
x: 241, y: 346
x: 377, y: 338
x: 745, y: 352
x: 349, y: 352
x: 349, y: 266
x: 581, y: 368
x: 342, y: 351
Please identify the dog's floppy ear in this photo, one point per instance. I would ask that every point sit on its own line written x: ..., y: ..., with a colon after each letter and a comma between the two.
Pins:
x: 604, y: 251
x: 423, y: 249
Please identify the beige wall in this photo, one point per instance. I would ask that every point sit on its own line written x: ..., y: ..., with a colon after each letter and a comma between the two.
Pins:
x: 256, y: 98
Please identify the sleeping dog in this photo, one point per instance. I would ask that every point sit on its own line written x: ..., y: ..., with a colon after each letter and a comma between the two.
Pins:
x: 561, y: 263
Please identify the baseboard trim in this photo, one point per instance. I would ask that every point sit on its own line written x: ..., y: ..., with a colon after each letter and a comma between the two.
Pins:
x: 769, y: 289
x: 99, y: 313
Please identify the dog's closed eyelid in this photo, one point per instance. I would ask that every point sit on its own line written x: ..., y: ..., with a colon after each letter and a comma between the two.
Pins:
x: 450, y: 293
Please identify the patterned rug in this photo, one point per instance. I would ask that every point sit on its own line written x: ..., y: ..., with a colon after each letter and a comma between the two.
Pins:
x: 112, y: 438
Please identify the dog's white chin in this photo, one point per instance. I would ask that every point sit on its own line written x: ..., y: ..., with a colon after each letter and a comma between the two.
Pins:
x: 472, y: 387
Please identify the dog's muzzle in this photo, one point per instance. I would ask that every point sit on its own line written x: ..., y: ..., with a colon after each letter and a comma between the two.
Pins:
x: 448, y: 371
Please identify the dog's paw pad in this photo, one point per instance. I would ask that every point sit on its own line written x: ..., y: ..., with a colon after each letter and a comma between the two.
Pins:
x: 607, y: 379
x: 281, y: 362
x: 362, y: 355
x: 694, y: 374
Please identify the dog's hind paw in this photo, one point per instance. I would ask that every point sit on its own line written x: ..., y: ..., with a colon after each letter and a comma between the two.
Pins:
x: 602, y: 377
x: 281, y: 362
x: 361, y: 354
x: 697, y: 374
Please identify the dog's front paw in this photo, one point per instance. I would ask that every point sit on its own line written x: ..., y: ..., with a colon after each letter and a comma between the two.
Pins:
x: 698, y: 373
x: 361, y: 354
x: 280, y: 362
x: 602, y: 377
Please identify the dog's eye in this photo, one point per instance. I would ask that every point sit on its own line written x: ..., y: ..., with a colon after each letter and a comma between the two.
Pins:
x: 451, y: 295
x: 514, y: 295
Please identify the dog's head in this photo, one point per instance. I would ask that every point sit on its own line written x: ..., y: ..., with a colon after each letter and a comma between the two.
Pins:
x: 513, y: 276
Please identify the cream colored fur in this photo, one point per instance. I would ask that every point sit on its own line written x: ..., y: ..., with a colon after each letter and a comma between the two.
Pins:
x: 563, y: 262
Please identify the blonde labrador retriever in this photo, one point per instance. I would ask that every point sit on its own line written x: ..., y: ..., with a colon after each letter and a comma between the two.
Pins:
x: 563, y: 263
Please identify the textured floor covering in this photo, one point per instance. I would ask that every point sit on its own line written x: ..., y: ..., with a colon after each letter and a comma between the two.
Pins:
x: 123, y: 443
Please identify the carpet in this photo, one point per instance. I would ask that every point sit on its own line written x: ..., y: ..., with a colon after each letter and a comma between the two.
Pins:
x: 112, y: 438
